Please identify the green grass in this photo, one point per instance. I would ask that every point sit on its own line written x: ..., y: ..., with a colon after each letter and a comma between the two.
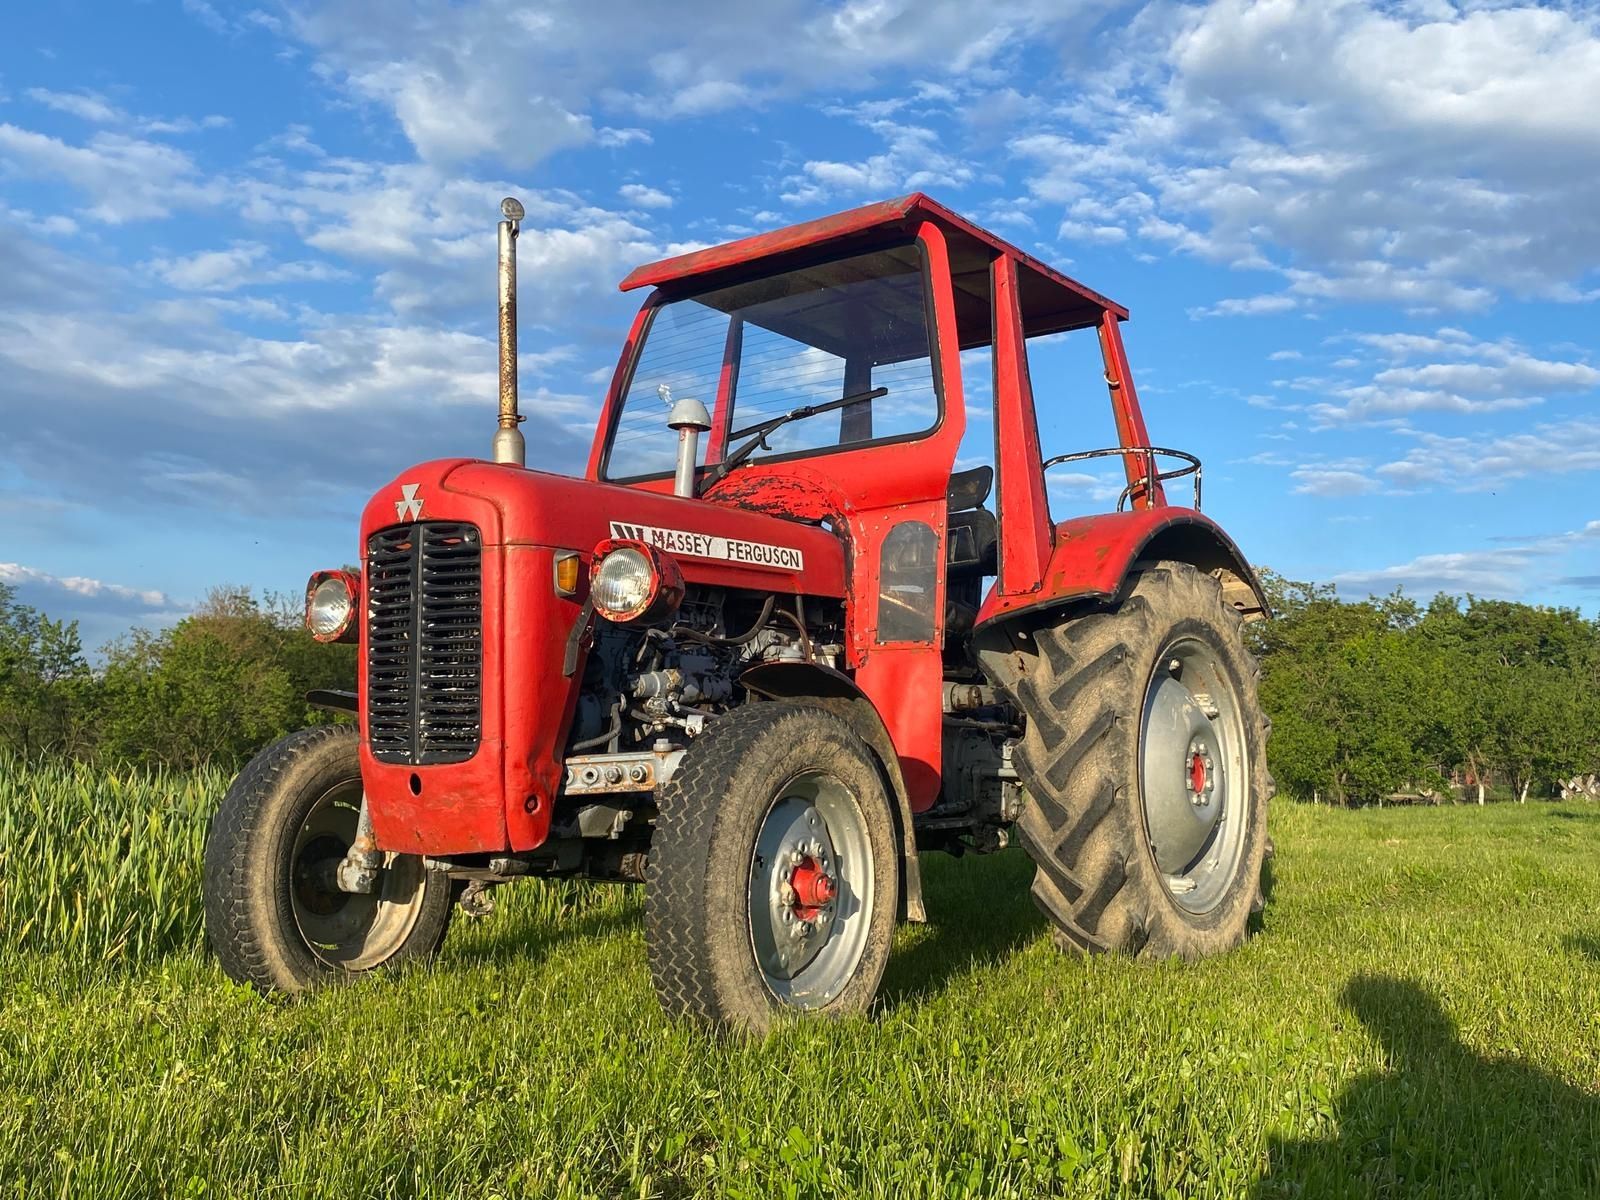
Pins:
x: 1419, y: 1016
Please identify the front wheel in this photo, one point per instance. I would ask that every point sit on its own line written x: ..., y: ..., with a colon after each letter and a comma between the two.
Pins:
x: 1146, y: 769
x: 275, y: 915
x: 774, y: 876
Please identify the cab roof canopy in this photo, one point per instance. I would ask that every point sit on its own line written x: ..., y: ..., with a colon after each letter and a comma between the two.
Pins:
x: 1051, y: 302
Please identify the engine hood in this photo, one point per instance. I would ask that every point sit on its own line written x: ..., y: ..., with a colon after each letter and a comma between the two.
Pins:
x: 715, y: 543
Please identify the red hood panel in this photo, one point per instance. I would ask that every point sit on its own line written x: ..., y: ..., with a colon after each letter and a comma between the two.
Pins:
x: 714, y: 544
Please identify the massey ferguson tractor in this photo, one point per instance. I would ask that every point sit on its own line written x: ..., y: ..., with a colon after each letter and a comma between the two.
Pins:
x: 772, y: 645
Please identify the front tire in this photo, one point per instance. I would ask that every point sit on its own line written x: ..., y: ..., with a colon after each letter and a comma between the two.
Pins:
x: 274, y: 915
x: 1146, y: 769
x: 774, y: 875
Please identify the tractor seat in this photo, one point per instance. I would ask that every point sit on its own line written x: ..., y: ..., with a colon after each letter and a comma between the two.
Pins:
x: 971, y: 548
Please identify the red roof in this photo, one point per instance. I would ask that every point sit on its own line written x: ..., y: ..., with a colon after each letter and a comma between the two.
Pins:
x: 1050, y: 300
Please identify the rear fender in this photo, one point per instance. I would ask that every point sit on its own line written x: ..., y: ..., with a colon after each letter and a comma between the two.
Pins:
x: 837, y: 692
x: 1093, y: 557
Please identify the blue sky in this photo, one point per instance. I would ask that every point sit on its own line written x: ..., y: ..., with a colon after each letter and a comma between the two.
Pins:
x: 246, y: 254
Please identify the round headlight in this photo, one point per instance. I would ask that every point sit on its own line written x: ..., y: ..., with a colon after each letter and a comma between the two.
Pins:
x: 329, y: 609
x: 623, y: 584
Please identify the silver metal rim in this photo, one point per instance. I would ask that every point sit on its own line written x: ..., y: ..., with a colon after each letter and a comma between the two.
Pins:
x: 1194, y: 774
x: 808, y: 953
x: 349, y: 930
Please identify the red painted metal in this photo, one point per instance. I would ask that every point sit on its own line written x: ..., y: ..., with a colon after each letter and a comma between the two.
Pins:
x: 1024, y: 505
x: 613, y: 401
x: 1197, y: 774
x: 717, y: 446
x: 851, y: 229
x: 1130, y: 419
x: 1093, y: 556
x: 813, y: 888
x: 501, y: 798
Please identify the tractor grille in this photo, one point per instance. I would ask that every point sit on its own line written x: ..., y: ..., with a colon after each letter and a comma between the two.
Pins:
x: 424, y: 643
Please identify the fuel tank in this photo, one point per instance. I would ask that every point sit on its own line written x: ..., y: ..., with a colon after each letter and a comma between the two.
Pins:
x: 465, y: 706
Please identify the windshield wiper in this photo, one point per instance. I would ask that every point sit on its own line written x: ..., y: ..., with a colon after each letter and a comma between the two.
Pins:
x: 758, y: 434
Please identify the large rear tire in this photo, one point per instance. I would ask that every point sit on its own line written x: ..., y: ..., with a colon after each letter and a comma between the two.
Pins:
x: 1146, y: 771
x: 773, y: 877
x: 274, y: 914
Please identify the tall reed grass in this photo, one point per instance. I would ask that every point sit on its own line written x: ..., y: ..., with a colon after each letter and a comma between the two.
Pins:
x: 102, y: 865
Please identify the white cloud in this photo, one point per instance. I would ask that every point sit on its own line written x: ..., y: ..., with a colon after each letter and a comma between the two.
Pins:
x: 86, y: 106
x: 1314, y: 480
x: 1465, y: 375
x: 1483, y: 462
x: 913, y: 158
x: 1363, y: 152
x: 617, y: 138
x: 96, y: 109
x: 1248, y: 306
x: 1510, y: 570
x: 125, y: 178
x: 18, y: 575
x: 496, y: 77
x: 241, y: 265
x: 643, y: 196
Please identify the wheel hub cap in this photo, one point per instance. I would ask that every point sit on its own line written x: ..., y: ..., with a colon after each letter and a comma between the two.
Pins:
x: 1193, y: 774
x: 811, y: 888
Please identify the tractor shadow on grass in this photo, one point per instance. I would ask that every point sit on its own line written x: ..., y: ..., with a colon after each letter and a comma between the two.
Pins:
x: 979, y: 914
x: 1441, y: 1120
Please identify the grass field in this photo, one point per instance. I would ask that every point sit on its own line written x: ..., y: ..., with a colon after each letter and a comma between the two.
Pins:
x: 1419, y: 1016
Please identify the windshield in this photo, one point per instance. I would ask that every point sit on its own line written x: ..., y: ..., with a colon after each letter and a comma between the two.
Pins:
x: 761, y: 349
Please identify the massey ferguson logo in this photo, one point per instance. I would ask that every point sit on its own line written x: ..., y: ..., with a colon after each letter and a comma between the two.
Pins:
x: 410, y: 508
x: 706, y: 545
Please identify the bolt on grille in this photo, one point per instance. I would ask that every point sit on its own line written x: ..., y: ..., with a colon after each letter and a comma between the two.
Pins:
x: 425, y: 643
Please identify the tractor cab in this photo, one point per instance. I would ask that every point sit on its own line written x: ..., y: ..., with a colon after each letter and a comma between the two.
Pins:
x: 827, y: 357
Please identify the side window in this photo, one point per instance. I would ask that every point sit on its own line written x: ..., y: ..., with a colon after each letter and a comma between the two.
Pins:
x: 684, y: 351
x: 908, y: 583
x: 1069, y: 396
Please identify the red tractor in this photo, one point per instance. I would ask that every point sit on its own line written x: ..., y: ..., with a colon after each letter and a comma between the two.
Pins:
x: 770, y: 646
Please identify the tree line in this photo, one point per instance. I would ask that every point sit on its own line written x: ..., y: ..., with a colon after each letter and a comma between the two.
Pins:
x: 1455, y: 700
x: 1385, y: 698
x: 212, y: 689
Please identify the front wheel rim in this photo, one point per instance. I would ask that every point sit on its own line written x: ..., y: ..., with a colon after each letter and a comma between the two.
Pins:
x: 351, y: 931
x: 1194, y: 774
x: 811, y: 891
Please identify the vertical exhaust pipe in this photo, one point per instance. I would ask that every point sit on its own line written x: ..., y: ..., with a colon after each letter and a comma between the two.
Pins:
x: 509, y: 445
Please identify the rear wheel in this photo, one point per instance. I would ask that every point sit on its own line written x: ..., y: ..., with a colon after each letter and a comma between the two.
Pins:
x: 1145, y: 764
x: 275, y: 914
x: 773, y: 879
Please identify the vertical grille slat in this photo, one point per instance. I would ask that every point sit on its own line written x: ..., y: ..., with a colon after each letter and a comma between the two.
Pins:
x: 425, y: 643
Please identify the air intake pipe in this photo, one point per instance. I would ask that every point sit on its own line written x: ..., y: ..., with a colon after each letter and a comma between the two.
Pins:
x: 690, y: 419
x: 509, y: 445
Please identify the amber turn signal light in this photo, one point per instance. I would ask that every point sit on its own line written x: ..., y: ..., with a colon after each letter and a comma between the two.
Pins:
x: 568, y: 569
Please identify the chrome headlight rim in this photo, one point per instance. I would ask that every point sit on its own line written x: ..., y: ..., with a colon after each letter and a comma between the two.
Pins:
x: 652, y: 580
x: 331, y: 606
